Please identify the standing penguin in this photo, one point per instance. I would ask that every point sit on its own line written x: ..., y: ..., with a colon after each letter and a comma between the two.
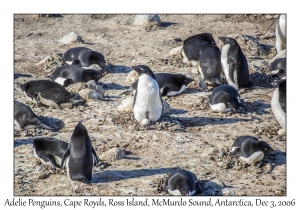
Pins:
x: 182, y: 182
x: 147, y: 104
x: 66, y: 75
x: 209, y: 65
x: 49, y: 151
x: 250, y: 149
x: 47, y: 93
x: 234, y: 63
x: 80, y: 156
x: 224, y: 98
x: 25, y: 118
x: 85, y: 58
x: 278, y: 103
x: 281, y: 33
x: 192, y: 45
x: 175, y: 83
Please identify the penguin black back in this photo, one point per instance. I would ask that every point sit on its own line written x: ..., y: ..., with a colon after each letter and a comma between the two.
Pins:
x: 49, y: 149
x: 182, y: 182
x: 193, y: 44
x: 80, y: 153
x: 46, y: 92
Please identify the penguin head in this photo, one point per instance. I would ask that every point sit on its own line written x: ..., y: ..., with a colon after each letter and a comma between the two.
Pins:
x: 80, y: 130
x: 91, y: 74
x: 208, y: 37
x: 76, y: 63
x: 278, y: 68
x: 228, y: 100
x: 142, y: 69
x: 264, y: 147
x: 228, y: 40
x: 187, y: 80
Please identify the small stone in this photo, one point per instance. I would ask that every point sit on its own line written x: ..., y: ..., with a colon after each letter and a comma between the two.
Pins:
x: 131, y: 77
x: 146, y: 20
x: 166, y: 107
x: 175, y: 51
x: 87, y: 94
x: 112, y: 155
x: 69, y: 38
x: 126, y: 105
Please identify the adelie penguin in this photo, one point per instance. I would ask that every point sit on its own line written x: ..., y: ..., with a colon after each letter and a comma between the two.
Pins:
x: 85, y: 58
x: 79, y: 156
x: 47, y: 93
x: 147, y: 104
x: 192, y: 45
x: 25, y: 118
x: 49, y: 151
x: 278, y: 68
x: 234, y: 64
x: 66, y: 75
x: 249, y: 149
x: 278, y: 103
x: 175, y: 84
x: 224, y: 98
x: 182, y: 182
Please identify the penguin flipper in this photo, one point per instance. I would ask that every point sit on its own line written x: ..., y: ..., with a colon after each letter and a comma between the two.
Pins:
x: 53, y: 161
x: 66, y: 154
x: 95, y: 155
x: 165, y: 91
x: 232, y: 65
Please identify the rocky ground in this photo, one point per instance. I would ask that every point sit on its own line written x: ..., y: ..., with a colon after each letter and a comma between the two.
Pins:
x: 191, y: 136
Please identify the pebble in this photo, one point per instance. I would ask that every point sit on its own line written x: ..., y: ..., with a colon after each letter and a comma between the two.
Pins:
x: 69, y: 38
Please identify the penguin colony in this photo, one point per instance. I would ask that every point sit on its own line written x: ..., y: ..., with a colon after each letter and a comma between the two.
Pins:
x: 226, y: 69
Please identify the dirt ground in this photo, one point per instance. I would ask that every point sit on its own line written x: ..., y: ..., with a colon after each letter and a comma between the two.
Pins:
x: 190, y: 137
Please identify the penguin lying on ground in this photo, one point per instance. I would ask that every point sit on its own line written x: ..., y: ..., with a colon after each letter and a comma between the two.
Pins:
x: 49, y: 151
x: 182, y: 182
x: 176, y: 84
x: 25, y: 118
x: 47, y: 93
x: 278, y: 68
x: 224, y: 98
x: 66, y: 75
x: 234, y: 64
x: 79, y: 156
x: 147, y: 104
x: 250, y: 149
x: 85, y: 58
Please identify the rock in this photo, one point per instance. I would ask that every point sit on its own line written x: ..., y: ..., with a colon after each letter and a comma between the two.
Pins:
x: 131, y: 77
x: 146, y: 20
x: 69, y: 38
x: 175, y: 51
x: 112, y: 155
x: 252, y: 45
x: 194, y: 70
x: 258, y: 65
x: 126, y: 105
x: 281, y: 132
x: 92, y: 85
x: 75, y: 88
x: 87, y: 94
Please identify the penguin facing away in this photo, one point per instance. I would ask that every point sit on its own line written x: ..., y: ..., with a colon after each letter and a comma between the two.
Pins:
x: 25, y: 118
x: 47, y: 93
x: 147, y: 104
x: 175, y: 84
x: 70, y: 74
x: 182, y: 182
x: 209, y: 65
x: 280, y: 33
x: 79, y: 156
x: 234, y: 63
x: 192, y: 45
x: 85, y: 58
x: 224, y: 98
x: 249, y: 149
x: 49, y: 151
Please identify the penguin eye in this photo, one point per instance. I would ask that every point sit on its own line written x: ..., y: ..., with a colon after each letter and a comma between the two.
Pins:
x: 95, y: 75
x: 266, y: 148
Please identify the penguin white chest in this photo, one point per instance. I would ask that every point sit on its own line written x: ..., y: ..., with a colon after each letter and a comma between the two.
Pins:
x: 225, y: 65
x: 147, y: 103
